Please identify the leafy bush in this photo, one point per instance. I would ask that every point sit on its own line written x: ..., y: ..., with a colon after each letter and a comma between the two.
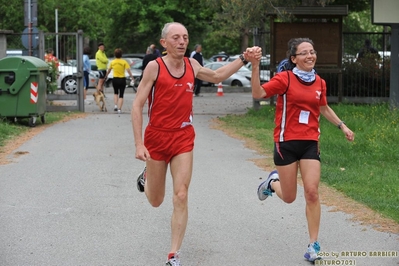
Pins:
x: 52, y: 76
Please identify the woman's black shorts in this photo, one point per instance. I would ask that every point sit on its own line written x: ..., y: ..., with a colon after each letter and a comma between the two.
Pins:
x: 287, y: 152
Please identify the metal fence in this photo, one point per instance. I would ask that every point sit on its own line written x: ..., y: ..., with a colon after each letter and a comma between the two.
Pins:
x: 362, y: 82
x: 68, y: 48
x: 365, y: 80
x: 64, y: 51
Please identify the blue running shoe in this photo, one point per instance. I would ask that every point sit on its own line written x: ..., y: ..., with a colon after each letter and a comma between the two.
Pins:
x: 311, y: 253
x: 265, y: 189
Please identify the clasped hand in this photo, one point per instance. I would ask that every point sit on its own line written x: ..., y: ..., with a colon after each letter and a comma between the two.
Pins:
x: 253, y: 54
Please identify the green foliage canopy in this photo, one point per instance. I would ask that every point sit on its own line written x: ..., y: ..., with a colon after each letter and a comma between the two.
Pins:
x: 219, y: 25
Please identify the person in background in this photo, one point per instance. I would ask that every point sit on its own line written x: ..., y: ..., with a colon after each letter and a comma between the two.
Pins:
x: 86, y: 71
x: 167, y: 85
x: 157, y: 52
x: 101, y: 62
x: 368, y: 51
x: 150, y: 49
x: 146, y: 59
x: 119, y: 66
x: 302, y: 98
x: 369, y: 58
x: 50, y: 57
x: 193, y: 52
x: 285, y: 64
x: 197, y: 55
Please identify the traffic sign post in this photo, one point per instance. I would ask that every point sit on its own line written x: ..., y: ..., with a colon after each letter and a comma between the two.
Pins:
x: 30, y: 11
x: 30, y: 38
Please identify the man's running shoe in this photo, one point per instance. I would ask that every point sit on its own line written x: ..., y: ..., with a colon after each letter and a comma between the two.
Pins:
x: 311, y: 253
x: 141, y: 180
x: 173, y: 259
x: 265, y: 189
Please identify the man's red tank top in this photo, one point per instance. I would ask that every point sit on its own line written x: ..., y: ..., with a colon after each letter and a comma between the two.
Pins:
x: 170, y: 102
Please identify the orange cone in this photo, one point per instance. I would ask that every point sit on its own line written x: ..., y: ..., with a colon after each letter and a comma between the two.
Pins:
x: 220, y: 89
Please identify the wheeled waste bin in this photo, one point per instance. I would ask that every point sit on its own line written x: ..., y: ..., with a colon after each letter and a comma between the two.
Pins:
x: 23, y: 88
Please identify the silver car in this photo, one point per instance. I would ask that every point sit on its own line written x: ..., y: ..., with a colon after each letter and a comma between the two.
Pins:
x: 242, y: 78
x: 264, y: 74
x: 264, y: 67
x: 67, y: 81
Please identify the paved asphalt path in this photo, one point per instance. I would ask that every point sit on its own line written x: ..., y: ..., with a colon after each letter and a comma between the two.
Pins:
x: 72, y: 200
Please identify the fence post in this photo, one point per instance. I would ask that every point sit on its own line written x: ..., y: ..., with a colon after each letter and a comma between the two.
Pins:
x: 41, y: 44
x: 394, y: 82
x: 79, y: 66
x: 340, y: 86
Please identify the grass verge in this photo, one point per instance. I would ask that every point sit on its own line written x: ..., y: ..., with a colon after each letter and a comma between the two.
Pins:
x: 364, y: 170
x: 10, y: 130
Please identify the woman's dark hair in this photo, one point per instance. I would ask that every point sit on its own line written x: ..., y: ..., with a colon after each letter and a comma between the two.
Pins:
x: 293, y: 48
x: 118, y: 52
x: 296, y: 42
x: 87, y: 50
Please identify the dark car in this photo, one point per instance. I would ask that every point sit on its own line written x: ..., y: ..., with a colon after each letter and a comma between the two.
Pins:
x: 137, y: 55
x: 219, y: 57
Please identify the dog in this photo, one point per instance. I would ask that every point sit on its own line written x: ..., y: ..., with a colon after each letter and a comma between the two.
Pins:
x: 100, y: 100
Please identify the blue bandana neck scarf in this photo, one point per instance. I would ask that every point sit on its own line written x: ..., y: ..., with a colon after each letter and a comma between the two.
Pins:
x: 304, y: 75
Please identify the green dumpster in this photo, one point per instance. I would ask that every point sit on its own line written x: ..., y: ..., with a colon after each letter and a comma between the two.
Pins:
x: 23, y: 88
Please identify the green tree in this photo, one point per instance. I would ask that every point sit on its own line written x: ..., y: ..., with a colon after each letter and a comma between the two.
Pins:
x: 91, y: 16
x: 12, y: 15
x: 219, y: 25
x: 135, y: 24
x: 234, y: 20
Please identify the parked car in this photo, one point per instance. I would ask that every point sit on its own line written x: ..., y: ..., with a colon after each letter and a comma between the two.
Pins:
x: 94, y: 76
x: 135, y: 61
x: 206, y: 61
x: 93, y: 64
x: 136, y: 55
x: 233, y: 57
x: 72, y: 62
x: 138, y: 64
x: 66, y: 80
x: 241, y: 78
x: 264, y: 69
x: 385, y: 54
x: 264, y: 74
x: 14, y: 52
x: 219, y: 57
